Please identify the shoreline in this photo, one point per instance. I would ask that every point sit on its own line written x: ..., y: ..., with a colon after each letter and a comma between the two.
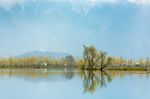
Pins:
x: 118, y: 68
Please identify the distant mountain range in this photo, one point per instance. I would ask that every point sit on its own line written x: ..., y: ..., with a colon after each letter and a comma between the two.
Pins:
x: 43, y: 53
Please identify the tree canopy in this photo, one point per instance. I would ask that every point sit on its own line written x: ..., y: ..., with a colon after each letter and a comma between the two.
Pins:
x: 94, y: 58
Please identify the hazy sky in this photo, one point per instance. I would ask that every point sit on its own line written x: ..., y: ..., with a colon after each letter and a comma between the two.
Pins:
x: 120, y: 27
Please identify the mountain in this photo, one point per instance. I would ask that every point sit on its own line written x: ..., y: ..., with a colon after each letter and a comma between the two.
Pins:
x: 44, y: 53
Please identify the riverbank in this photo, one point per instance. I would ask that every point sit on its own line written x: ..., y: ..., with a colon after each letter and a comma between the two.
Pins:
x: 128, y: 68
x: 123, y: 68
x: 118, y: 68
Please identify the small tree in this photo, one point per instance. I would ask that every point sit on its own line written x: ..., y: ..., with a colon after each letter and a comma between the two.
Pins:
x: 89, y: 56
x: 69, y: 60
x: 104, y: 61
x: 93, y: 58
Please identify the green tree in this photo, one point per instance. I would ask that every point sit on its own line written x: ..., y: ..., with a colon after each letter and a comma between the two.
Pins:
x: 93, y: 58
x: 103, y: 60
x: 69, y: 60
x: 89, y: 56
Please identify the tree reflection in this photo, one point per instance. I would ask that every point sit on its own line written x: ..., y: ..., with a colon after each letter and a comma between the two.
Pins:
x: 38, y: 74
x: 94, y: 79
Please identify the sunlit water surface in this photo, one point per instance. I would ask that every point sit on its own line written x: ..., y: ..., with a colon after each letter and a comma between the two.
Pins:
x: 73, y: 84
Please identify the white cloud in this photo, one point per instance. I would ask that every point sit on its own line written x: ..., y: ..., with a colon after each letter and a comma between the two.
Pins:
x: 8, y: 4
x: 94, y: 2
x: 77, y: 4
x: 143, y: 2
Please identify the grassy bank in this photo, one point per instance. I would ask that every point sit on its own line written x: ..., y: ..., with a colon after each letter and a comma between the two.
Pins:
x: 128, y: 68
x: 36, y: 67
x: 125, y: 68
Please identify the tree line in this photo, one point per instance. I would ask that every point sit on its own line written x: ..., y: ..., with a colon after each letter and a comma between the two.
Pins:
x: 92, y: 59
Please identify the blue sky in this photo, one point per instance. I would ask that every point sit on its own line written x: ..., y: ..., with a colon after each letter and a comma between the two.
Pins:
x: 120, y: 27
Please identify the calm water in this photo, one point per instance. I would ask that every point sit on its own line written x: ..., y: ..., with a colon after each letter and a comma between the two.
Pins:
x: 73, y: 84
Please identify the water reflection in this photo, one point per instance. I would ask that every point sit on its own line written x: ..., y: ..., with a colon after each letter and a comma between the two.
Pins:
x: 38, y: 74
x: 94, y: 79
x: 91, y: 80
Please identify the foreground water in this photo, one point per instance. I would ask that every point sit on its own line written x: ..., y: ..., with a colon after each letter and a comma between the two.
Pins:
x: 73, y: 84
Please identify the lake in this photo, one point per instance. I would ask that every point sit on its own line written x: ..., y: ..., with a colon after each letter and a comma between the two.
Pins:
x: 73, y: 84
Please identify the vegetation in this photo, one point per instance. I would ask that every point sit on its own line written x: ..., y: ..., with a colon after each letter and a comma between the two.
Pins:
x: 31, y: 62
x: 69, y: 60
x: 92, y: 60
